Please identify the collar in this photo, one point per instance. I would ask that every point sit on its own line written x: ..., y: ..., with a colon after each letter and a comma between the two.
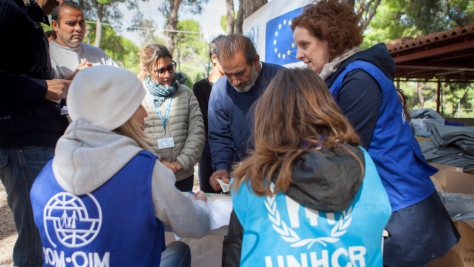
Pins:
x: 35, y: 12
x: 332, y: 66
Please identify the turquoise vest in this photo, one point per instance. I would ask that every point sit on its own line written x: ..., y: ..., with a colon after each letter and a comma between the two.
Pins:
x: 393, y: 147
x: 280, y: 232
x: 115, y: 225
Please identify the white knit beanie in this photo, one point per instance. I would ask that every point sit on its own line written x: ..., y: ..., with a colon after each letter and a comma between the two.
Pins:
x: 105, y: 96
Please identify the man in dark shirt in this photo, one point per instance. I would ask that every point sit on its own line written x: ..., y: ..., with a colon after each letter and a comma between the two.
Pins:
x: 30, y: 115
x: 230, y: 116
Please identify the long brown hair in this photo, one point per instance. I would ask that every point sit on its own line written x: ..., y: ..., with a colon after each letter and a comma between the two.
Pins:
x: 296, y: 108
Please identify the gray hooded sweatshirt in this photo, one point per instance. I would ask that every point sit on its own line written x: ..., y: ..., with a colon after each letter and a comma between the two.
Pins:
x: 87, y: 156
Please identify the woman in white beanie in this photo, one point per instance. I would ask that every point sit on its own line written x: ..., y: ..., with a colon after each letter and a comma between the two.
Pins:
x: 174, y: 127
x: 104, y: 199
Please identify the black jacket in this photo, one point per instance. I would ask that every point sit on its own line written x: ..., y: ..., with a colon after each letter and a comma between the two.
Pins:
x: 26, y: 118
x: 324, y: 180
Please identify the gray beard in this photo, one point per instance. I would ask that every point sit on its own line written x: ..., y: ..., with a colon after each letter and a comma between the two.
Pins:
x: 253, y: 78
x: 246, y: 89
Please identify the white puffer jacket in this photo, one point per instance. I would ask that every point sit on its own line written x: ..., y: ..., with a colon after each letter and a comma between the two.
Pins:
x: 185, y: 125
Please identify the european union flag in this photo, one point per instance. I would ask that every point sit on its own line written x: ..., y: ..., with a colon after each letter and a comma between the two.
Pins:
x: 279, y: 45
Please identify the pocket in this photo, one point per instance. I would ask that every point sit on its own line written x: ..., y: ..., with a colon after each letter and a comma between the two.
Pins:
x: 6, y: 173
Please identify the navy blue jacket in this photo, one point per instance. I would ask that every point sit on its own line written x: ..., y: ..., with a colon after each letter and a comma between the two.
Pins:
x: 26, y: 118
x: 230, y: 118
x: 115, y: 224
x: 360, y: 97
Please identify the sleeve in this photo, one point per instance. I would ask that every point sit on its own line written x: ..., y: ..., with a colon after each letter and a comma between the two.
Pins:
x: 198, y: 93
x: 360, y: 99
x: 194, y: 143
x: 232, y: 247
x: 15, y: 87
x: 22, y: 88
x: 174, y: 208
x: 221, y: 142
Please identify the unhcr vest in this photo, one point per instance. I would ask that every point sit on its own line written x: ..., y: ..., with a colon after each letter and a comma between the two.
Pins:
x: 393, y: 147
x: 115, y: 225
x: 279, y: 232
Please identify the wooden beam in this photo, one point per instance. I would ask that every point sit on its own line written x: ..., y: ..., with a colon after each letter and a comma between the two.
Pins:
x: 435, y: 52
x: 436, y: 66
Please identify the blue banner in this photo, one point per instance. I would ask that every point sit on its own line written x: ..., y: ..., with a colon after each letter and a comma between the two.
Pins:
x: 279, y: 44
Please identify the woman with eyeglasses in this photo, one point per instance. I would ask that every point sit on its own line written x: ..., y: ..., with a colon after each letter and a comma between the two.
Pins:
x: 174, y: 126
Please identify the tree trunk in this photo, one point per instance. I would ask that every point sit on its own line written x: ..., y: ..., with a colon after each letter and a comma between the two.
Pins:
x: 247, y: 8
x: 98, y: 26
x: 171, y: 24
x: 371, y: 15
x: 419, y: 90
x: 230, y: 16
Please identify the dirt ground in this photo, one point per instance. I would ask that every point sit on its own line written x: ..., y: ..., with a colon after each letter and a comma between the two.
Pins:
x: 7, y: 230
x: 7, y: 226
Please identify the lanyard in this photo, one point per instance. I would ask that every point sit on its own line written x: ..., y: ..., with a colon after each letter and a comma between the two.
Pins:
x: 168, y: 107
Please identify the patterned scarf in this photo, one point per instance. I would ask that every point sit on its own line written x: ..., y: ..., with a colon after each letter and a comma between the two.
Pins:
x: 160, y: 92
x: 332, y: 66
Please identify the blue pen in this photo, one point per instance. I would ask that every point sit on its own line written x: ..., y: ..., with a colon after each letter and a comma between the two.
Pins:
x: 191, y: 192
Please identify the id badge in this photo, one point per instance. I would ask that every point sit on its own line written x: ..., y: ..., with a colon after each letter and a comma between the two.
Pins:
x: 165, y: 142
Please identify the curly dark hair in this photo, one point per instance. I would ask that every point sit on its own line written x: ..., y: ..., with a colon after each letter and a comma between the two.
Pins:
x: 334, y: 22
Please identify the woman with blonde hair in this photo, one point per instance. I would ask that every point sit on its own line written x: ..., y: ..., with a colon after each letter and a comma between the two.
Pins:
x: 174, y: 127
x: 307, y: 194
x: 104, y: 198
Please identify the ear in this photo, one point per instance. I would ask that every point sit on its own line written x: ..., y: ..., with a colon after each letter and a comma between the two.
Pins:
x: 214, y: 59
x: 55, y: 25
x: 257, y: 59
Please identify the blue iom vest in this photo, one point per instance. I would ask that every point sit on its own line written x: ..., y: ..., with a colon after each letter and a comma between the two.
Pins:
x: 279, y: 232
x: 393, y: 147
x: 115, y: 225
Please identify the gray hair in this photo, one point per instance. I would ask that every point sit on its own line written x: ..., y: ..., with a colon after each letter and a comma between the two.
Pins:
x: 236, y: 43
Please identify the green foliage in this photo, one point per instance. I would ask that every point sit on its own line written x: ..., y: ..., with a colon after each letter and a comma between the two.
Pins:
x: 192, y: 6
x: 389, y: 23
x: 457, y: 100
x: 145, y: 28
x: 224, y: 21
x: 120, y: 49
x: 191, y: 51
x: 407, y: 18
x: 46, y: 27
x: 400, y: 19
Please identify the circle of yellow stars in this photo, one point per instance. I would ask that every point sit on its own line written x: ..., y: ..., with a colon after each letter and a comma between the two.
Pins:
x: 280, y: 54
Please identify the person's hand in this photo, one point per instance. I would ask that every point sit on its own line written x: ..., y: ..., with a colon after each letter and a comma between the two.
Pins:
x: 220, y: 174
x: 167, y: 165
x: 84, y: 64
x: 57, y: 89
x: 176, y: 166
x: 199, y: 196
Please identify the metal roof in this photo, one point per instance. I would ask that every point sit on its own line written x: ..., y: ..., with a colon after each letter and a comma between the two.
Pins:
x: 444, y: 56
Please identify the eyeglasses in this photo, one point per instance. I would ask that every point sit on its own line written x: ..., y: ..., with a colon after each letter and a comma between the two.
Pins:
x: 170, y: 68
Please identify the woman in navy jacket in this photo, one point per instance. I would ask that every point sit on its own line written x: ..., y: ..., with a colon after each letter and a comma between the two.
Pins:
x: 328, y: 35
